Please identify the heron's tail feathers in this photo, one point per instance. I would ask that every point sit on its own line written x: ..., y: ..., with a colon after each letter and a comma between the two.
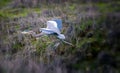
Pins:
x: 61, y: 36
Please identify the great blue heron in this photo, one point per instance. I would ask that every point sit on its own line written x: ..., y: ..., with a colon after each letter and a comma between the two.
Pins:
x: 54, y: 27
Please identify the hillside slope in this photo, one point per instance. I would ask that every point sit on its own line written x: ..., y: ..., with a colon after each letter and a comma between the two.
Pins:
x: 92, y: 28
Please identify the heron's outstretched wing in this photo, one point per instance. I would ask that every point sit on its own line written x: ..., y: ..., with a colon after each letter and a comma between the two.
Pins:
x: 59, y: 23
x: 51, y: 27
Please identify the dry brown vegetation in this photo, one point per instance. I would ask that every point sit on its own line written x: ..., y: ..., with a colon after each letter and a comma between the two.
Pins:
x: 92, y: 27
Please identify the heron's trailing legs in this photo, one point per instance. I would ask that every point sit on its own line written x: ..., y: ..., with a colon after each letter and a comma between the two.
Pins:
x: 67, y: 42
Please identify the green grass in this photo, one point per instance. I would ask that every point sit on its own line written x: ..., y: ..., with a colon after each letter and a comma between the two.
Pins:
x: 19, y: 12
x: 4, y: 2
x: 15, y: 12
x: 84, y: 41
x: 108, y: 7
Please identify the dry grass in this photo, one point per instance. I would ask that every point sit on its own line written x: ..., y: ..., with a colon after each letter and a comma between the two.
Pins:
x: 81, y: 25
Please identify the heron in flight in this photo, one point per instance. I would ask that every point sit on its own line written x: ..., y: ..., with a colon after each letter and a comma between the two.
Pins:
x: 54, y: 27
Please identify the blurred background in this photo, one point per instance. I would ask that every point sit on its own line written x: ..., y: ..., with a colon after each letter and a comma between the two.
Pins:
x: 92, y: 26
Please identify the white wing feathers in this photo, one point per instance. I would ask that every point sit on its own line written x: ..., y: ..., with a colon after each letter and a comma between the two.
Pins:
x: 51, y: 27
